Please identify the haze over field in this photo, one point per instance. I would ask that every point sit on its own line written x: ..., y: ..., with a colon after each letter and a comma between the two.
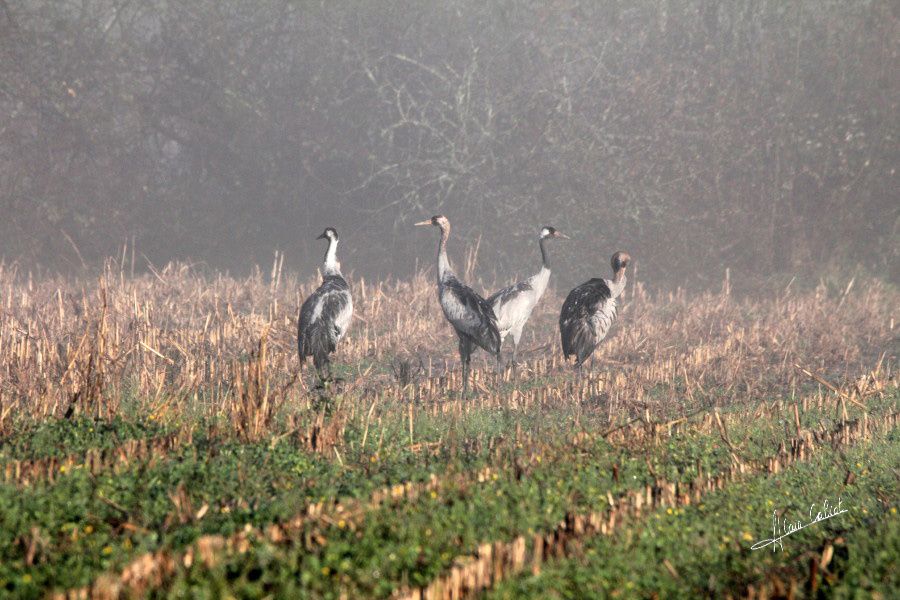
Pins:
x: 195, y: 402
x: 697, y: 134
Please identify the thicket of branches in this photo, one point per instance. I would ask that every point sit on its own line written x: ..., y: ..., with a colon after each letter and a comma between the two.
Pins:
x: 696, y: 134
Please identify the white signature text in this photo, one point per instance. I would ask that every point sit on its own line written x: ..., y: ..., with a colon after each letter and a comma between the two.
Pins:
x: 782, y: 528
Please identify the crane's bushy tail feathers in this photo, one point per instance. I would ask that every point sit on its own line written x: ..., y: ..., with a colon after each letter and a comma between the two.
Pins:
x: 495, y: 340
x: 316, y: 342
x: 487, y: 336
x: 578, y: 340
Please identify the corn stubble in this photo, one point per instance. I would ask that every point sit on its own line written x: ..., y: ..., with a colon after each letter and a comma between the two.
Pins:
x: 181, y: 347
x: 178, y: 343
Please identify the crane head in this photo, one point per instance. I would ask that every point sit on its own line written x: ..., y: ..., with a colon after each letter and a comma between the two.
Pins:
x: 330, y: 233
x: 619, y: 261
x: 551, y: 232
x: 437, y: 221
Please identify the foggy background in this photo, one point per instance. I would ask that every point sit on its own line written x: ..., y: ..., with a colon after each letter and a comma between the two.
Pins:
x: 695, y: 134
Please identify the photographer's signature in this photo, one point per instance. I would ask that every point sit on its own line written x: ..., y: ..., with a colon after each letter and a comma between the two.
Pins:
x: 782, y: 528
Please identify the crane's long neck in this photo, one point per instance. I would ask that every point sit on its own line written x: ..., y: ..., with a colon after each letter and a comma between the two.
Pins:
x: 618, y: 283
x: 330, y: 265
x: 443, y: 263
x: 545, y: 254
x: 540, y: 279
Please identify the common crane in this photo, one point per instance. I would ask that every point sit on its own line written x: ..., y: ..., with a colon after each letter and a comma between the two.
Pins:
x: 470, y: 315
x: 513, y: 304
x: 325, y: 315
x: 589, y: 311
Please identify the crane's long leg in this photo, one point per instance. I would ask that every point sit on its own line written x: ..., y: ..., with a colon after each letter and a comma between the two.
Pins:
x: 300, y: 371
x: 465, y: 376
x: 465, y: 356
x: 320, y: 365
x: 500, y: 355
x: 517, y: 335
x: 579, y: 363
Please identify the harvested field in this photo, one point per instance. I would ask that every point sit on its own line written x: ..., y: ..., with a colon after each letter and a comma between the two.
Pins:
x: 157, y: 439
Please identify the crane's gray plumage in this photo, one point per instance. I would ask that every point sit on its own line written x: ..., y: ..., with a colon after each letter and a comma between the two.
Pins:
x: 470, y: 315
x: 589, y: 311
x: 513, y: 305
x: 325, y: 315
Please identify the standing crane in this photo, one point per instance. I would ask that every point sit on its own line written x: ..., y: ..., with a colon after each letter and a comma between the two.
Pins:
x: 589, y: 311
x: 513, y: 304
x: 469, y: 314
x: 326, y: 313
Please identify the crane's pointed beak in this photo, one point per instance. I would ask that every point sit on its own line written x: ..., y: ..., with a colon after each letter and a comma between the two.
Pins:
x: 322, y: 236
x: 562, y: 235
x: 421, y: 223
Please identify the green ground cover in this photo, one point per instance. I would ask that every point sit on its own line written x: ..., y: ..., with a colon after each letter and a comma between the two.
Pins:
x: 65, y: 533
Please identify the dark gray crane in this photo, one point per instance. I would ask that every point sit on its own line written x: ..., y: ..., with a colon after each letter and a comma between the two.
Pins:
x: 513, y: 304
x: 325, y: 315
x: 589, y: 311
x: 470, y: 315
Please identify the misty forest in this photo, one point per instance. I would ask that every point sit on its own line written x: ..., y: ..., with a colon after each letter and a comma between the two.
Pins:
x: 431, y: 300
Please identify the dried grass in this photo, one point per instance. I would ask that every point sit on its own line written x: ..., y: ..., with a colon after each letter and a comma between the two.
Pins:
x: 177, y: 342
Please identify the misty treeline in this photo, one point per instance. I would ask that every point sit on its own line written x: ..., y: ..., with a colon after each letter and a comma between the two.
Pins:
x: 696, y: 134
